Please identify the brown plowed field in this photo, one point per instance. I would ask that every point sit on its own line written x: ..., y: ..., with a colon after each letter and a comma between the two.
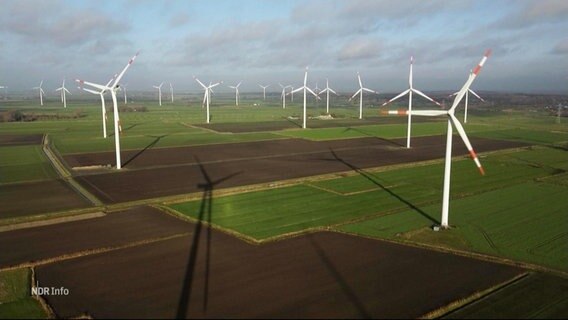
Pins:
x: 114, y: 229
x: 241, y: 127
x: 24, y: 199
x: 176, y: 170
x: 20, y: 139
x: 213, y: 275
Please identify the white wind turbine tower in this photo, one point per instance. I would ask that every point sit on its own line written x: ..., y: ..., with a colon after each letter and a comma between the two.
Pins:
x: 159, y: 92
x: 452, y: 120
x: 236, y: 92
x: 283, y: 95
x: 264, y: 90
x: 113, y: 88
x: 207, y: 95
x: 41, y: 93
x: 5, y: 92
x: 327, y: 90
x: 101, y: 93
x: 292, y: 93
x: 172, y: 92
x: 360, y: 93
x: 305, y: 88
x: 123, y: 87
x: 63, y: 91
x: 467, y: 99
x: 409, y: 91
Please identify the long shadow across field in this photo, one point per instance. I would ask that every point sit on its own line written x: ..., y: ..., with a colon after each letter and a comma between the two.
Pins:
x: 152, y: 144
x: 373, y: 136
x: 377, y: 183
x: 347, y: 290
x: 204, y: 209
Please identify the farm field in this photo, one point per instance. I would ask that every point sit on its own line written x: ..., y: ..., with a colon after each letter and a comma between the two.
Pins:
x: 253, y: 197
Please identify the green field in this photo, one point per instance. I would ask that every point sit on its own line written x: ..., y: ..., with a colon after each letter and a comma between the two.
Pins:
x: 24, y: 163
x: 515, y: 213
x: 15, y: 299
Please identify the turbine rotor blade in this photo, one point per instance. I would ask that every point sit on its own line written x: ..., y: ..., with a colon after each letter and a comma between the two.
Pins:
x: 425, y: 96
x: 355, y: 94
x: 465, y: 139
x: 399, y: 96
x: 469, y: 81
x: 475, y: 94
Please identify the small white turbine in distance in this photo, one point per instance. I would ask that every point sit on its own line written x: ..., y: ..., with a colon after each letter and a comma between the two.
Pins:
x: 452, y: 122
x: 264, y: 90
x: 63, y: 91
x: 283, y: 95
x: 123, y: 87
x: 159, y: 92
x: 113, y: 88
x: 236, y: 93
x: 41, y: 92
x: 207, y: 95
x: 305, y: 88
x: 327, y: 90
x: 409, y: 91
x: 360, y: 93
x: 467, y: 99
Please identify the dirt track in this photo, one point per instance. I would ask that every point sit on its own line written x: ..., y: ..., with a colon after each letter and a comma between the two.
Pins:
x: 178, y: 172
x: 114, y: 229
x: 24, y: 199
x: 324, y: 275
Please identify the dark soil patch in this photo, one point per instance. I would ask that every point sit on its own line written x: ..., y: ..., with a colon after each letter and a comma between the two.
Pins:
x: 25, y: 199
x: 261, y: 162
x: 114, y: 229
x: 324, y: 275
x: 20, y: 139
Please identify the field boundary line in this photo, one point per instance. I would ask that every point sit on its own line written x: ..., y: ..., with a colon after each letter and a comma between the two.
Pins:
x: 178, y: 215
x: 90, y: 252
x: 476, y: 296
x: 41, y: 223
x: 470, y: 254
x: 62, y: 171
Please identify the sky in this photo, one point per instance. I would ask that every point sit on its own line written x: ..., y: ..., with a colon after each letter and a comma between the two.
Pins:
x: 271, y: 42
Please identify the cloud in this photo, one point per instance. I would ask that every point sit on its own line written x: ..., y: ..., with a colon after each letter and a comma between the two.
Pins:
x: 535, y: 13
x: 54, y: 23
x: 561, y: 47
x: 359, y: 49
x: 179, y: 19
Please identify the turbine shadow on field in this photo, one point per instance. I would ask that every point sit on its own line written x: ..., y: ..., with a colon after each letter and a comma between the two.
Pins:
x: 152, y: 144
x: 205, y: 214
x: 378, y: 184
x: 373, y: 136
x: 296, y: 124
x: 349, y: 292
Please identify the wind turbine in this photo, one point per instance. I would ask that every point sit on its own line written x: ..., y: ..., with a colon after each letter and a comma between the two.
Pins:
x: 123, y: 87
x: 172, y: 92
x: 159, y: 92
x: 5, y: 92
x: 360, y: 93
x: 452, y: 120
x: 63, y: 90
x: 409, y: 91
x: 327, y: 90
x: 236, y: 93
x: 467, y: 99
x: 292, y: 93
x: 264, y: 90
x: 283, y: 95
x: 41, y: 93
x: 113, y: 88
x: 101, y: 93
x: 207, y: 95
x: 305, y: 88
